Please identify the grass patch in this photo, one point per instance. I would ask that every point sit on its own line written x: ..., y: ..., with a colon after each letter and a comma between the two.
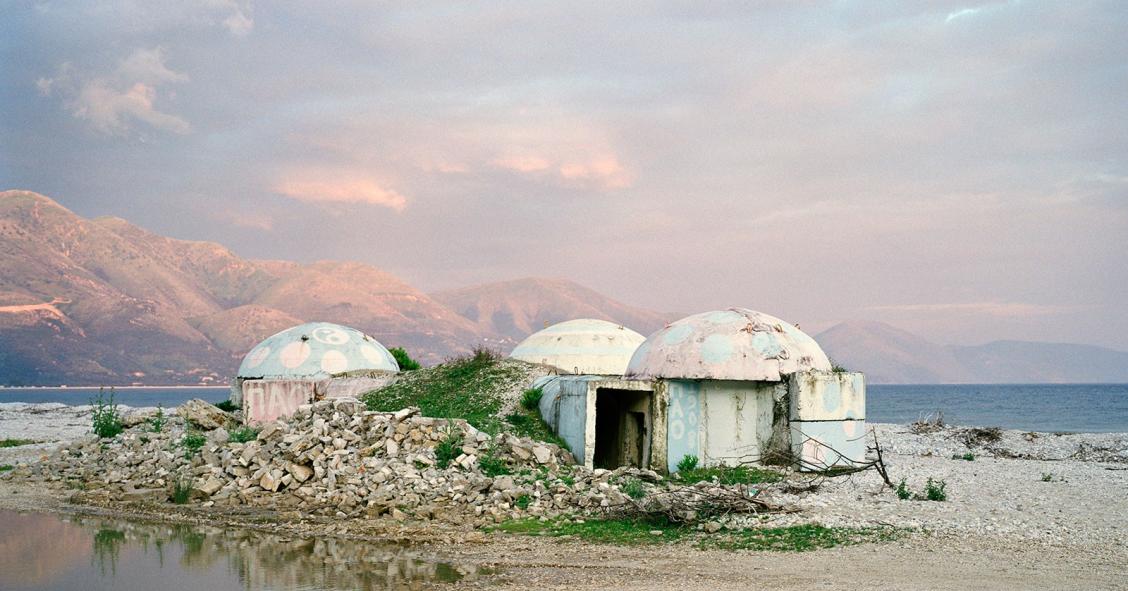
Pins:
x: 687, y: 463
x: 7, y: 468
x: 728, y: 474
x: 934, y: 490
x: 463, y: 388
x: 967, y: 457
x: 522, y: 502
x: 608, y: 531
x: 16, y: 442
x: 797, y: 538
x: 243, y: 434
x: 403, y: 360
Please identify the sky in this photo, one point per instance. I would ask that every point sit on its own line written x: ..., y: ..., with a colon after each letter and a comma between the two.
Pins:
x: 957, y: 169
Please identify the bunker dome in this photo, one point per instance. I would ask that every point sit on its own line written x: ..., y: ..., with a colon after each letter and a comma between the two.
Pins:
x: 733, y: 344
x: 305, y: 363
x: 583, y: 347
x: 315, y: 350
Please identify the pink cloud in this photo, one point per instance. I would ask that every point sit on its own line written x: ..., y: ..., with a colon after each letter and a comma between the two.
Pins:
x: 523, y: 163
x: 340, y: 190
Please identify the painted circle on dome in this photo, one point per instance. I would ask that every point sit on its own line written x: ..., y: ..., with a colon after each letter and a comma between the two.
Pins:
x: 256, y: 357
x: 294, y: 354
x: 373, y: 355
x: 334, y: 362
x: 330, y: 335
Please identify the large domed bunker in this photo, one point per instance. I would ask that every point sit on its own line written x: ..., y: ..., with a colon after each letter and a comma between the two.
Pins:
x: 727, y: 387
x: 309, y: 362
x: 733, y: 344
x: 582, y: 347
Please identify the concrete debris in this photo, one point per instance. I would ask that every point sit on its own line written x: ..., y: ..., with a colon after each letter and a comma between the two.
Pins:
x: 336, y: 457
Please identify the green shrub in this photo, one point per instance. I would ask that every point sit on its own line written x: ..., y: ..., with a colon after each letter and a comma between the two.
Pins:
x: 157, y: 422
x: 522, y: 502
x: 633, y: 488
x: 192, y: 442
x: 492, y: 465
x: 1047, y: 477
x: 7, y: 467
x: 934, y: 490
x: 903, y: 491
x: 970, y: 457
x: 106, y: 419
x: 836, y: 368
x: 226, y: 406
x: 531, y: 398
x: 405, y: 362
x: 687, y: 463
x: 448, y: 449
x: 243, y: 434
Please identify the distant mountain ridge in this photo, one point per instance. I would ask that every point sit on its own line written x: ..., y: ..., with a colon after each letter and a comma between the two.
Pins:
x: 893, y: 356
x: 514, y: 309
x: 101, y: 301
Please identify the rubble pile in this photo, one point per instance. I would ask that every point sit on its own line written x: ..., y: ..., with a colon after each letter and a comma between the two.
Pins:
x: 336, y: 458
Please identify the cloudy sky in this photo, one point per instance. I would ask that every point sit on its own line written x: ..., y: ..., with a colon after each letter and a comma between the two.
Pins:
x: 959, y: 169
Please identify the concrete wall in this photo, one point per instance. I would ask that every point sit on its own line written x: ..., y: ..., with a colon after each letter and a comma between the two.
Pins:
x: 267, y: 400
x: 722, y: 422
x: 828, y: 412
x: 564, y: 406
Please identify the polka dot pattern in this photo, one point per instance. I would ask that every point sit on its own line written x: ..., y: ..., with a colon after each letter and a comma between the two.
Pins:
x: 315, y: 350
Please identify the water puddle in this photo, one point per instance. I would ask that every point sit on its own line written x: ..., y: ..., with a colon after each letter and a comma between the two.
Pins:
x: 40, y: 551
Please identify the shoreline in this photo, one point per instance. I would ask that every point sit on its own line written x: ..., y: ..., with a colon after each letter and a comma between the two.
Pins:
x: 1003, y: 526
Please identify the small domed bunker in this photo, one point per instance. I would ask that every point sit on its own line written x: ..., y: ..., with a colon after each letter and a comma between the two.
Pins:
x: 727, y: 387
x: 583, y: 346
x: 305, y: 363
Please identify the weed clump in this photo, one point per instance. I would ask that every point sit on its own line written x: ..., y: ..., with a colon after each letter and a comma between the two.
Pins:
x: 105, y: 418
x: 226, y: 406
x: 181, y: 491
x: 531, y: 398
x: 633, y: 488
x: 522, y: 502
x: 934, y: 490
x: 978, y: 436
x: 930, y: 423
x: 192, y: 442
x: 243, y: 434
x: 405, y: 362
x: 448, y: 449
x: 7, y: 468
x: 967, y: 457
x: 687, y: 463
x: 492, y: 465
x: 157, y: 421
x: 729, y: 475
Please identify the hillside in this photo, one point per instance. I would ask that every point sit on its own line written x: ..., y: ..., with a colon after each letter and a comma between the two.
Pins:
x: 515, y: 309
x: 102, y: 301
x: 893, y: 356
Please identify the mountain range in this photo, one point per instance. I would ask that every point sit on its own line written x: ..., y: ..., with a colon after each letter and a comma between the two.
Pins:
x: 101, y: 301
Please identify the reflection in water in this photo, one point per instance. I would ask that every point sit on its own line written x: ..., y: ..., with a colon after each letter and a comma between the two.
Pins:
x: 43, y: 551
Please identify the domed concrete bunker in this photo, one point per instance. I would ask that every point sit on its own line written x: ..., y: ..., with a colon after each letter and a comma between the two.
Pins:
x: 305, y: 363
x: 726, y: 387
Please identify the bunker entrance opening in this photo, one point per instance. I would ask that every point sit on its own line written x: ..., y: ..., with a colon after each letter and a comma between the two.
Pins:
x: 622, y: 428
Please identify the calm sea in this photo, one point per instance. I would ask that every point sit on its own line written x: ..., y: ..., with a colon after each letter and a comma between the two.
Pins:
x: 1080, y: 408
x: 128, y: 396
x: 1035, y: 407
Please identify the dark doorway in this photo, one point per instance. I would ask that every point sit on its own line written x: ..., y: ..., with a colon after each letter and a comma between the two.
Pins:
x: 622, y: 434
